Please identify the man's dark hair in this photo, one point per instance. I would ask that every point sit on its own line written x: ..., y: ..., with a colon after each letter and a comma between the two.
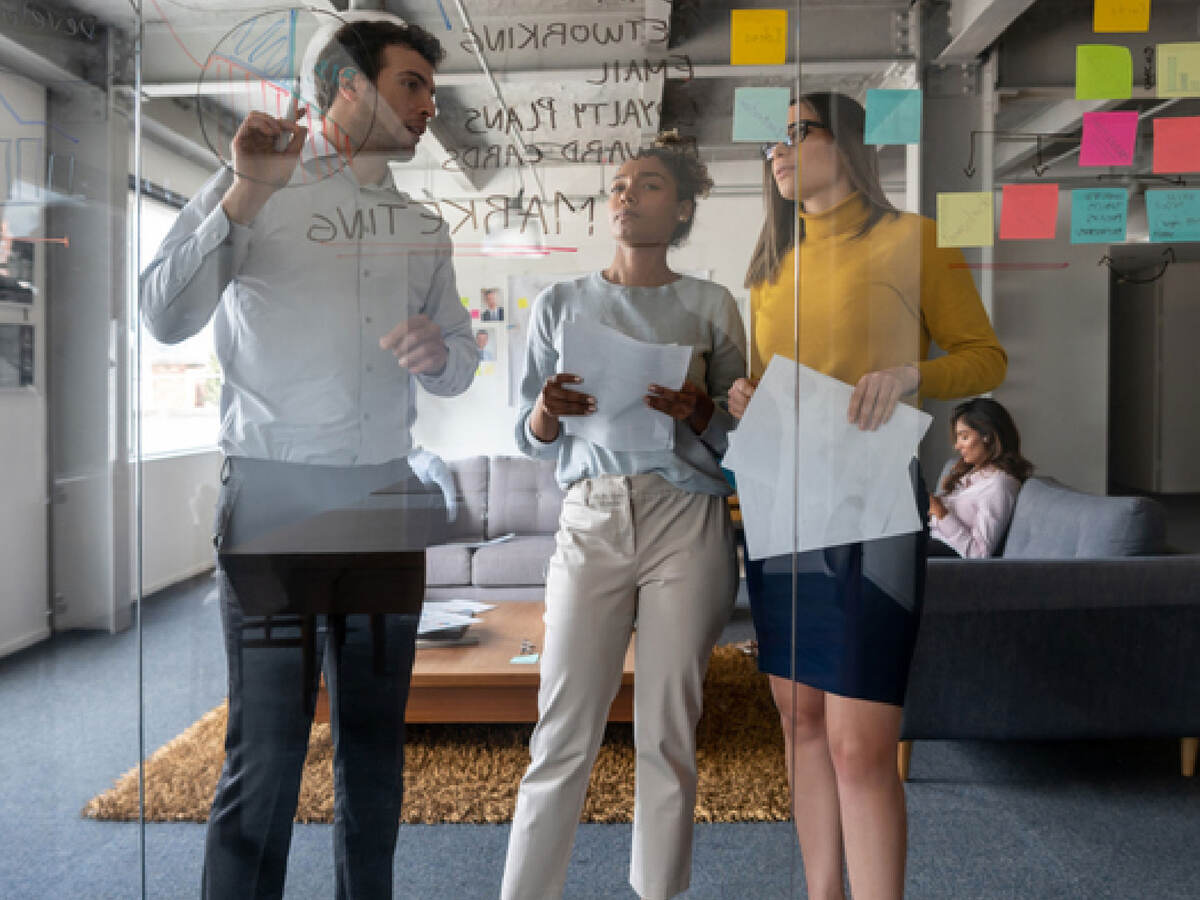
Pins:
x: 357, y: 48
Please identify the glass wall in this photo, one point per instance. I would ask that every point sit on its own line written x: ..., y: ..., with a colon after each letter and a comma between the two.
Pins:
x: 523, y: 422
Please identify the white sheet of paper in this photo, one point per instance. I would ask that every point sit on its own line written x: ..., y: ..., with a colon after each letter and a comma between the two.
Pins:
x: 826, y: 482
x: 617, y: 370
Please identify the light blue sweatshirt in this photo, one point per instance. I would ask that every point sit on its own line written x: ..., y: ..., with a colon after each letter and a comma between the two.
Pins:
x: 689, y: 311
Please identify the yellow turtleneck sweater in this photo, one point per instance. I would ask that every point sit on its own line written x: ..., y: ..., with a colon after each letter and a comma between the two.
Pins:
x: 877, y: 301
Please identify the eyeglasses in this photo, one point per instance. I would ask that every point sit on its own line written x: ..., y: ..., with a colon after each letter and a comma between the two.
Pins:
x: 796, y: 133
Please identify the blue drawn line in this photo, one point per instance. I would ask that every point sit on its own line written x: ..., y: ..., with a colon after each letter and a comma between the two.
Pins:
x: 445, y: 18
x: 21, y: 121
x: 292, y: 44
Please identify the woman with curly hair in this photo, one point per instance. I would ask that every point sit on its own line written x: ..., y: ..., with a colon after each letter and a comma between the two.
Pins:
x: 970, y: 517
x: 644, y: 539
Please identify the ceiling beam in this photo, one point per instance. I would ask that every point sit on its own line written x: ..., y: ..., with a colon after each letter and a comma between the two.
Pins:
x: 976, y: 24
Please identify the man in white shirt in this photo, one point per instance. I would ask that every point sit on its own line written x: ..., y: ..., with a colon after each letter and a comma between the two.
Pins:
x: 333, y: 296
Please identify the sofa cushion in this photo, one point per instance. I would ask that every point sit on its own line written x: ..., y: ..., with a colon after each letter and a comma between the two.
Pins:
x: 1051, y: 521
x: 523, y: 497
x: 447, y: 565
x: 471, y: 484
x: 520, y: 560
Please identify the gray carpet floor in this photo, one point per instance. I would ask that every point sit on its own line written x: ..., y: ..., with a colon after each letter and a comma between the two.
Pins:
x: 1005, y: 820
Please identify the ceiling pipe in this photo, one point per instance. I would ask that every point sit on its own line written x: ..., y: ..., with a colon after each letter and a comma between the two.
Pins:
x: 487, y: 72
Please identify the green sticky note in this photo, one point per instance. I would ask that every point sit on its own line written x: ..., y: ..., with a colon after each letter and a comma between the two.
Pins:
x: 893, y: 117
x: 466, y: 301
x: 1178, y: 70
x: 1103, y: 72
x: 965, y: 219
x: 760, y: 113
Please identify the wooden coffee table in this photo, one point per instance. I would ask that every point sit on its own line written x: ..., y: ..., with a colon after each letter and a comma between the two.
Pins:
x: 479, y: 683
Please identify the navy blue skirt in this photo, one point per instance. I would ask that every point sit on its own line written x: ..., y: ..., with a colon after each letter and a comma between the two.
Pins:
x: 853, y: 625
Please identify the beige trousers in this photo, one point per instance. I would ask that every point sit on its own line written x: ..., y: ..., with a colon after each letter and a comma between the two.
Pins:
x: 630, y: 550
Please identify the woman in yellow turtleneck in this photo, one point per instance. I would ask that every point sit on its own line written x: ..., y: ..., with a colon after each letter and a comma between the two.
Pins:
x: 844, y: 283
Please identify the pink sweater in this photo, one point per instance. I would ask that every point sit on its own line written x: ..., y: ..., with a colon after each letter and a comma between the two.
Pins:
x: 978, y: 511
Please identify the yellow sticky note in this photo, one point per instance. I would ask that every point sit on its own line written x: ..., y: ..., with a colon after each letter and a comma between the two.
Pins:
x: 466, y: 301
x: 522, y: 303
x: 965, y: 219
x: 1178, y: 70
x: 1121, y: 15
x: 1103, y: 72
x: 758, y: 37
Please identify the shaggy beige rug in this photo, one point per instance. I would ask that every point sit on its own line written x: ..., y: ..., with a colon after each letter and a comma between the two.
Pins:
x: 469, y: 774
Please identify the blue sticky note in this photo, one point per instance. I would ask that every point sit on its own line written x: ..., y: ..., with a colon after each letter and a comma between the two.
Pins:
x: 760, y: 113
x: 1174, y: 215
x: 893, y: 117
x: 525, y: 658
x: 1098, y: 215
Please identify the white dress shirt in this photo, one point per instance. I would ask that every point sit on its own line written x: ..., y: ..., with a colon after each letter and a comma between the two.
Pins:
x: 978, y: 511
x: 301, y: 297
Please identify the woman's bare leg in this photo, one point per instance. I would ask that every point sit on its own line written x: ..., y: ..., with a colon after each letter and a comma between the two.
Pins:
x: 862, y: 738
x: 813, y: 784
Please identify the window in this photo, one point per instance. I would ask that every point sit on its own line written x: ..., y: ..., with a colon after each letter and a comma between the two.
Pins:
x: 181, y: 383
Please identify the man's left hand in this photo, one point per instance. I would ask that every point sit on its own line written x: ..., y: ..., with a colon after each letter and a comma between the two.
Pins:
x: 688, y: 404
x: 417, y: 345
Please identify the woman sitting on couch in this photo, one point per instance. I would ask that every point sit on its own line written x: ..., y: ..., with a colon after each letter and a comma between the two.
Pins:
x: 970, y: 516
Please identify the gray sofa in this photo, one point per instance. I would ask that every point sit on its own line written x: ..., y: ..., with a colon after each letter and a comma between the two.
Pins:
x: 497, y: 496
x: 1085, y: 627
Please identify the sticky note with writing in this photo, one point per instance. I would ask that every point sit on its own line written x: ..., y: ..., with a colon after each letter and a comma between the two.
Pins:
x: 1174, y: 215
x: 1108, y: 138
x: 1098, y: 215
x: 1177, y: 144
x: 757, y: 37
x: 1029, y: 212
x: 1103, y: 72
x: 1121, y: 15
x: 964, y: 219
x: 760, y: 113
x: 893, y: 117
x: 1178, y: 70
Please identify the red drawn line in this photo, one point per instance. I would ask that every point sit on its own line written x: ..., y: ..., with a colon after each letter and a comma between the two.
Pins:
x: 65, y: 241
x: 171, y: 29
x: 492, y: 253
x: 535, y: 248
x: 1033, y: 266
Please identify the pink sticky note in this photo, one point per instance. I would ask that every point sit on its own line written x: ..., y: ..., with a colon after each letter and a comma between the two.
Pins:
x: 1028, y: 212
x: 474, y: 314
x: 1177, y: 144
x: 1108, y: 138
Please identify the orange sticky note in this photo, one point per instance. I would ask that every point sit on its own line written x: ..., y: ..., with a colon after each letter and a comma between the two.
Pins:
x: 1177, y: 144
x: 758, y: 37
x: 1121, y: 15
x: 1029, y: 212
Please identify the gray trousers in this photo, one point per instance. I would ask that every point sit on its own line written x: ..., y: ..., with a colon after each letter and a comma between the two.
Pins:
x: 250, y: 825
x: 630, y: 549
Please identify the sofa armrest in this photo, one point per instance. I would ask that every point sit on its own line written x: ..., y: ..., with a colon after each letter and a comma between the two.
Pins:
x: 955, y: 586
